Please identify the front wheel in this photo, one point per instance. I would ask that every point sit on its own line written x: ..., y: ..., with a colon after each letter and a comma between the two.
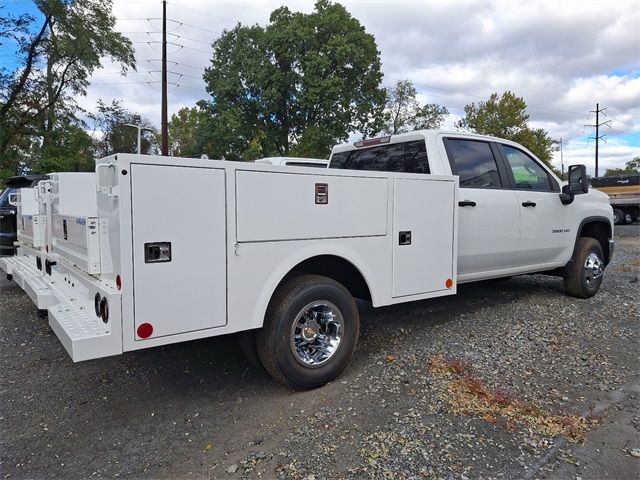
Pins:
x: 618, y: 216
x: 310, y: 332
x: 584, y: 272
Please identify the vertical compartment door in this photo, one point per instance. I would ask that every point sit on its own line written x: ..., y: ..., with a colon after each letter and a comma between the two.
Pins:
x: 179, y: 248
x: 423, y: 221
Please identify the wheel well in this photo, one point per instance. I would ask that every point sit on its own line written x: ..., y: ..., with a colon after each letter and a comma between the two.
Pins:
x: 338, y: 269
x: 601, y: 231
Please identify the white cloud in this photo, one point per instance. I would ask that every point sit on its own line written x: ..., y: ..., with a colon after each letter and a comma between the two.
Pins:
x: 562, y: 57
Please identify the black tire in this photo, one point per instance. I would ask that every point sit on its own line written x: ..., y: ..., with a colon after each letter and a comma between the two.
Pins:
x: 275, y: 340
x: 247, y: 342
x: 618, y: 216
x: 579, y: 282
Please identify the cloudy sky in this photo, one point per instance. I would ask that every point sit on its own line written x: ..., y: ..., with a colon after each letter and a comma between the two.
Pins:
x: 561, y: 56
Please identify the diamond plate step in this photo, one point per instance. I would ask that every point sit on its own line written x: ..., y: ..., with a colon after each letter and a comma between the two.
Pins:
x: 82, y: 334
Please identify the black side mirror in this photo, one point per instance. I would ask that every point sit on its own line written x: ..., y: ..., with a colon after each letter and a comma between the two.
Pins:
x: 578, y: 181
x: 578, y: 184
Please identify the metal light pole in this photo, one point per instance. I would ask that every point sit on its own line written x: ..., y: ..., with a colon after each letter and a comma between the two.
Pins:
x: 561, y: 159
x: 140, y: 128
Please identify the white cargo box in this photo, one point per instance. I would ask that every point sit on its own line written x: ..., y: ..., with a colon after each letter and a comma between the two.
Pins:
x: 73, y: 221
x: 77, y: 240
x: 31, y: 225
x: 73, y: 194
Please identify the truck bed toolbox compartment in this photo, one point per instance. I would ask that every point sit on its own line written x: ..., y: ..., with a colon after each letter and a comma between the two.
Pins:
x: 276, y: 206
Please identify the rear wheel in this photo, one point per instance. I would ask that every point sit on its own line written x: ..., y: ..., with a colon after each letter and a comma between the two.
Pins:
x: 584, y: 272
x: 310, y: 332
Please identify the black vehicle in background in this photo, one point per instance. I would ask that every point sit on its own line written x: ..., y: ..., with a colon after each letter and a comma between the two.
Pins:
x: 8, y: 212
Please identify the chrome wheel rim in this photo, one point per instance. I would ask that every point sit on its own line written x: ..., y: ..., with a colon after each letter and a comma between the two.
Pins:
x: 316, y: 333
x: 593, y: 268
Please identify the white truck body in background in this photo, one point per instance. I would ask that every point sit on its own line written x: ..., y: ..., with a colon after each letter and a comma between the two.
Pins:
x: 57, y: 202
x: 31, y: 225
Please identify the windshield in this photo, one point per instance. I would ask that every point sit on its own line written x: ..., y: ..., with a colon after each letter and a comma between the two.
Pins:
x: 4, y: 197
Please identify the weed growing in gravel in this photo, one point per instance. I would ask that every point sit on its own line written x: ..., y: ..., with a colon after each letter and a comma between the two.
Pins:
x: 631, y: 266
x: 466, y: 394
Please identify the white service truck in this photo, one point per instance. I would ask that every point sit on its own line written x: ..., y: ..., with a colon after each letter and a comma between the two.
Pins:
x: 194, y: 248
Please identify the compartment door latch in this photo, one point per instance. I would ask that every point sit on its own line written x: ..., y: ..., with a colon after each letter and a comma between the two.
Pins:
x: 157, y: 252
x: 404, y: 238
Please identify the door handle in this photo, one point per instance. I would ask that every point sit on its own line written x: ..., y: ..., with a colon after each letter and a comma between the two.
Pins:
x: 528, y: 204
x: 466, y: 203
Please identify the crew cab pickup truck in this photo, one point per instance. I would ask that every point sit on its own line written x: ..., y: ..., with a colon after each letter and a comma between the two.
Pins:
x: 280, y: 252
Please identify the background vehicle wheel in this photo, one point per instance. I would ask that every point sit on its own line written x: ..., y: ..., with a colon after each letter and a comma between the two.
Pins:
x: 584, y: 272
x: 618, y: 216
x: 310, y: 332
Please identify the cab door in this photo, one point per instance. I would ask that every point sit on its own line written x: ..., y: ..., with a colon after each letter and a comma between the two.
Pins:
x: 489, y: 215
x: 546, y: 229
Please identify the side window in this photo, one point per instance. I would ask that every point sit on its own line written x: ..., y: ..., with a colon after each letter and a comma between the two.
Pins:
x: 473, y: 162
x: 409, y: 157
x: 527, y: 174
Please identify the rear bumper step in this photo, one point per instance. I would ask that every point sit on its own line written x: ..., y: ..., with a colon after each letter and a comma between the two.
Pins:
x: 40, y: 292
x: 82, y: 335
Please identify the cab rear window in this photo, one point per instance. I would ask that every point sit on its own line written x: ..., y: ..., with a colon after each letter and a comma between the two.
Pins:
x: 408, y: 157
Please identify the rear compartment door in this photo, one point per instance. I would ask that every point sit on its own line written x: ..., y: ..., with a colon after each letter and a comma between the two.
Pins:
x: 179, y: 248
x: 423, y: 236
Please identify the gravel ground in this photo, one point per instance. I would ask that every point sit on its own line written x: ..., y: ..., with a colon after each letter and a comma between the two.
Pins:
x: 507, y: 379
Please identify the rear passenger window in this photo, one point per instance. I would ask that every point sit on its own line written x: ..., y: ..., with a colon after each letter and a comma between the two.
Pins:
x: 409, y: 157
x: 527, y: 174
x: 473, y: 162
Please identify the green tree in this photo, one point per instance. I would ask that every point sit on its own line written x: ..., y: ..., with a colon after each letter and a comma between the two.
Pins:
x: 186, y: 129
x: 112, y: 135
x: 296, y: 86
x: 506, y: 116
x: 70, y: 149
x: 58, y: 51
x: 630, y: 168
x: 404, y: 113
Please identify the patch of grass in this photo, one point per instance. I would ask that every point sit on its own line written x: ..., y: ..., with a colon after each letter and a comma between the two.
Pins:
x: 466, y: 394
x: 631, y: 266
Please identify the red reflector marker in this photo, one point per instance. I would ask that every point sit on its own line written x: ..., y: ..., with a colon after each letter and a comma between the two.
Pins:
x: 145, y: 330
x: 118, y: 282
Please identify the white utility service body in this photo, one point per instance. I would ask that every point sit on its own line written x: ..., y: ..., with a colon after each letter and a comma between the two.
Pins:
x: 227, y: 233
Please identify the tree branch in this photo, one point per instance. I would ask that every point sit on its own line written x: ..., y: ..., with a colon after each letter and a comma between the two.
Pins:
x: 27, y: 69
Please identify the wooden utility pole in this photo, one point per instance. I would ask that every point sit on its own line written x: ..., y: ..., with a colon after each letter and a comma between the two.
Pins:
x: 163, y: 121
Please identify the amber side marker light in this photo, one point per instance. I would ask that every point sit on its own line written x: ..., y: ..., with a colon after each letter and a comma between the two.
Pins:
x: 448, y: 283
